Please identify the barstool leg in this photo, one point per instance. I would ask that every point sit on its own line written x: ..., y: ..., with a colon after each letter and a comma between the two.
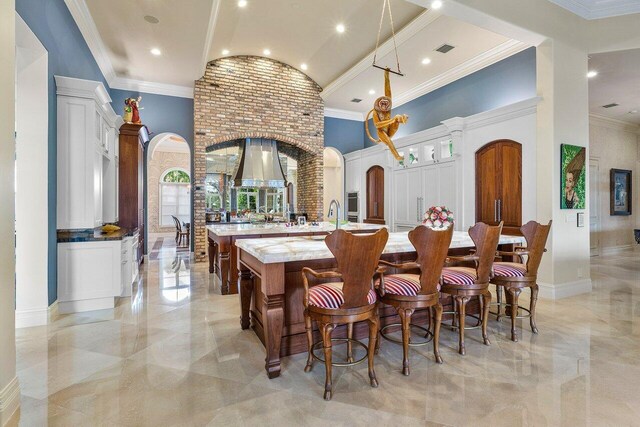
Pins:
x: 371, y: 350
x: 461, y: 302
x: 430, y: 324
x: 349, y: 346
x: 515, y: 293
x: 405, y: 318
x: 486, y: 302
x: 532, y: 308
x: 499, y: 300
x: 326, y: 329
x: 436, y: 333
x: 309, y: 330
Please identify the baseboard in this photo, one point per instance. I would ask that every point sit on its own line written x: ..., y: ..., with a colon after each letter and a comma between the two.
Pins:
x: 564, y: 290
x: 36, y: 317
x: 9, y: 401
x: 614, y: 250
x: 86, y: 305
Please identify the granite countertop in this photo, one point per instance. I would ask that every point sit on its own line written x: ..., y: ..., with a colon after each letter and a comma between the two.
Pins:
x: 93, y: 235
x: 304, y: 248
x: 275, y: 228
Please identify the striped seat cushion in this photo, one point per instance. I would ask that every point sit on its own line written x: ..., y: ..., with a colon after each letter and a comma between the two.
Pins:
x: 509, y: 269
x: 459, y: 275
x: 329, y: 295
x: 402, y: 284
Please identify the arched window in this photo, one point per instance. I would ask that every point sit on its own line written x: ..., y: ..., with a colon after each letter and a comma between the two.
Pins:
x: 175, y: 197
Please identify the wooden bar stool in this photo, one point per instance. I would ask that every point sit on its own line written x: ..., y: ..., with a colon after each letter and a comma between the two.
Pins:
x: 464, y: 283
x: 346, y: 297
x: 409, y: 292
x: 515, y: 276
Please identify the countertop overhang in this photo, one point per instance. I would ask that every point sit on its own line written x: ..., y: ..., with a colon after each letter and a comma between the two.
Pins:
x: 279, y: 228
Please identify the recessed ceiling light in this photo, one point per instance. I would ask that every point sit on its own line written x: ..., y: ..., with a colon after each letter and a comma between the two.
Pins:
x: 303, y: 66
x: 633, y: 112
x: 225, y: 51
x: 371, y: 92
x: 266, y: 52
x: 426, y: 61
x: 591, y: 74
x: 155, y: 51
x: 340, y: 28
x: 437, y: 4
x: 151, y: 19
x: 242, y: 3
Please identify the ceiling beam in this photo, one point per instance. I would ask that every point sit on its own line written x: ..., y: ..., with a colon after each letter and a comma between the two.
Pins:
x: 213, y: 19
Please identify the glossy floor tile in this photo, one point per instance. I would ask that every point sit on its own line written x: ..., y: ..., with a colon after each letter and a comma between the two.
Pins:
x: 174, y: 354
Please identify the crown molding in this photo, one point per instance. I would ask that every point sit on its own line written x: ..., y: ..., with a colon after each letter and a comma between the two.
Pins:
x: 410, y: 30
x: 477, y: 63
x: 337, y: 113
x: 612, y: 8
x: 598, y: 120
x: 84, y: 21
x: 80, y: 88
x: 501, y: 114
x: 213, y: 18
x: 152, y: 87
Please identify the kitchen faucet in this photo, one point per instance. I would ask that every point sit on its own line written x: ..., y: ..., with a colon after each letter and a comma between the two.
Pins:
x: 337, y: 203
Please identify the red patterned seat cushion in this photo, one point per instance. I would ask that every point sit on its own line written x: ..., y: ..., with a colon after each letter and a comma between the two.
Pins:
x: 329, y: 295
x: 459, y: 275
x: 402, y: 284
x: 509, y: 269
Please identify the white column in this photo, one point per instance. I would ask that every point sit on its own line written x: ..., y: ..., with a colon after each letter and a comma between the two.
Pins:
x: 455, y: 126
x: 9, y: 390
x: 563, y: 118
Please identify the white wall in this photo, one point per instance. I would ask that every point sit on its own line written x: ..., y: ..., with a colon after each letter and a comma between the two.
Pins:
x: 9, y: 389
x: 333, y: 178
x: 31, y: 167
x: 615, y: 145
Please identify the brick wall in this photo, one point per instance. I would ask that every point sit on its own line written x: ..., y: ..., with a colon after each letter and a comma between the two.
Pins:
x: 249, y: 96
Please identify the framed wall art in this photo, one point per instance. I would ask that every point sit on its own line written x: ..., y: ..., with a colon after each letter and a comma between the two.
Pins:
x: 620, y: 192
x: 572, y: 177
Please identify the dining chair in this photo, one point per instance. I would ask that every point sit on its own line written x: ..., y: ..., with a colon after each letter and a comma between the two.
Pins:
x: 463, y: 282
x: 516, y: 276
x: 408, y: 292
x: 180, y: 233
x: 344, y: 296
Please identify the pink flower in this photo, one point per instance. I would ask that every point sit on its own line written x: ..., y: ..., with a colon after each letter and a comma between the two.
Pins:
x: 437, y: 223
x: 443, y: 215
x: 434, y: 216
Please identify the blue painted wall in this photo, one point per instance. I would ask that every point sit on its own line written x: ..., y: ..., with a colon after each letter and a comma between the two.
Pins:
x: 70, y: 56
x: 511, y: 80
x: 345, y: 135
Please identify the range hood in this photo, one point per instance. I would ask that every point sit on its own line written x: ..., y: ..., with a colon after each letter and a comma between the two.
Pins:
x: 259, y: 165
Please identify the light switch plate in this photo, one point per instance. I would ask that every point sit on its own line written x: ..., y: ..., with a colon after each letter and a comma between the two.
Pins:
x: 580, y: 219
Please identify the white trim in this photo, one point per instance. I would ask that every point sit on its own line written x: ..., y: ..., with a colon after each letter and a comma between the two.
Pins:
x: 80, y: 88
x: 213, y: 18
x: 151, y: 87
x: 410, y: 30
x: 92, y: 304
x: 596, y: 12
x: 598, y: 120
x: 9, y: 401
x: 468, y: 67
x: 615, y: 250
x: 508, y: 112
x: 564, y: 290
x: 36, y: 317
x: 84, y: 21
x: 337, y: 113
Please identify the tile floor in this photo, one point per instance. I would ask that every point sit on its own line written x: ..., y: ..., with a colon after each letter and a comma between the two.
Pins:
x: 175, y: 355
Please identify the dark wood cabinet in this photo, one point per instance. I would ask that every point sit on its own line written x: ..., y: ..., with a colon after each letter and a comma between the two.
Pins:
x: 375, y: 195
x: 499, y: 185
x: 131, y: 180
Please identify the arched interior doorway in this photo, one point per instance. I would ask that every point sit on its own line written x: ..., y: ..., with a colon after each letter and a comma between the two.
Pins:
x: 169, y: 191
x: 333, y: 178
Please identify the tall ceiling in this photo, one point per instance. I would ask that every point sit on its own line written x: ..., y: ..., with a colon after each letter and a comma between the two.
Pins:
x: 618, y: 81
x: 595, y: 9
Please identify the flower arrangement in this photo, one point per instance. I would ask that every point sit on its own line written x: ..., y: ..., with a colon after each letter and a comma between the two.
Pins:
x: 438, y: 217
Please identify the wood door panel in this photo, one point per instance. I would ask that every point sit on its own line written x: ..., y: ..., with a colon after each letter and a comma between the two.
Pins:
x: 486, y: 184
x: 375, y: 195
x: 510, y: 180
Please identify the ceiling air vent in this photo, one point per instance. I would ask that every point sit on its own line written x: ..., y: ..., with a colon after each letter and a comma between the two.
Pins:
x: 356, y: 100
x: 445, y: 48
x: 613, y: 104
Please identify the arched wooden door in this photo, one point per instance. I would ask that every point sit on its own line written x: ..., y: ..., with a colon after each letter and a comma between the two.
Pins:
x: 375, y: 195
x: 499, y: 184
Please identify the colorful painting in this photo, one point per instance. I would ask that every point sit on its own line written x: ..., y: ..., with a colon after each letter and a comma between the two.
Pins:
x: 573, y: 177
x: 620, y: 188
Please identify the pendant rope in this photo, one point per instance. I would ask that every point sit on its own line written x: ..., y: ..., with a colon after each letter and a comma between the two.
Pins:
x: 386, y: 4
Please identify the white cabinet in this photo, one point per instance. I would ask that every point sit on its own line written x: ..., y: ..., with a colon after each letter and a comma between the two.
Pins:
x: 353, y: 172
x: 407, y: 191
x: 126, y: 266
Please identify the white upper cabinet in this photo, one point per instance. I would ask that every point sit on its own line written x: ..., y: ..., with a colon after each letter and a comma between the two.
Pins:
x: 85, y: 145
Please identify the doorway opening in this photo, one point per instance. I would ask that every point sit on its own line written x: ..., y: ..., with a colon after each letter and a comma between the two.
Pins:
x: 333, y: 178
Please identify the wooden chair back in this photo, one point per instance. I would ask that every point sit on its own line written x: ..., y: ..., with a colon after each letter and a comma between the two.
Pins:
x: 536, y: 235
x: 486, y: 238
x: 357, y: 256
x: 432, y: 247
x: 177, y: 222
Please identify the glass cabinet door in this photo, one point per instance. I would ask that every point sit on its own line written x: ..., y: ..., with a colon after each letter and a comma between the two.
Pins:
x: 446, y: 150
x: 429, y: 153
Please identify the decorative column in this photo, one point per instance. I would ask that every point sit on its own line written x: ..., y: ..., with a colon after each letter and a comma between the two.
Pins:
x: 455, y: 126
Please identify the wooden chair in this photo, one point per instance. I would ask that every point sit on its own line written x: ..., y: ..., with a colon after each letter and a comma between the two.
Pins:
x: 515, y: 276
x: 463, y: 283
x: 409, y: 292
x: 180, y: 233
x: 344, y: 296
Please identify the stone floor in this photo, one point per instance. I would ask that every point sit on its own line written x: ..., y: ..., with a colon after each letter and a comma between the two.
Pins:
x: 174, y: 354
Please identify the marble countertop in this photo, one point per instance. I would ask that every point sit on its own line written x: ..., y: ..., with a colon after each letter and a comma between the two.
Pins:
x: 92, y: 235
x: 304, y: 248
x: 275, y: 228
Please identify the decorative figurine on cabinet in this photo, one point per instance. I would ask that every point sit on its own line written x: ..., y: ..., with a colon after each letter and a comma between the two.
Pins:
x: 131, y: 110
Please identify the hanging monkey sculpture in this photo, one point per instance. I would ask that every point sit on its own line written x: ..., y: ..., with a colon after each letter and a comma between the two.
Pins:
x: 385, y: 125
